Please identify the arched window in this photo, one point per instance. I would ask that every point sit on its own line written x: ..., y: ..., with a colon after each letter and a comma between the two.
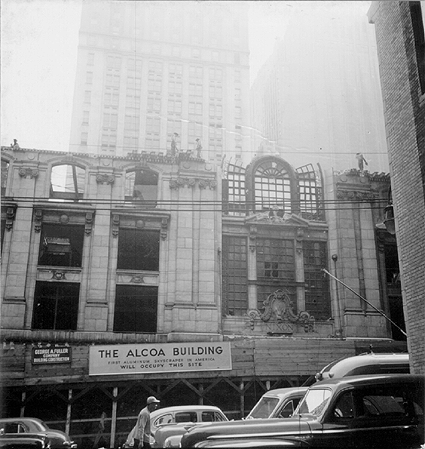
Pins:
x: 141, y: 184
x: 273, y: 186
x: 67, y: 182
x: 4, y: 173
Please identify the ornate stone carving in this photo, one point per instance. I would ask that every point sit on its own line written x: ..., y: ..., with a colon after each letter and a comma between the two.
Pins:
x: 38, y: 218
x: 10, y: 217
x: 115, y: 224
x: 278, y: 309
x: 175, y: 184
x: 58, y: 275
x: 273, y: 216
x: 137, y: 279
x: 164, y: 228
x: 27, y: 172
x: 355, y: 195
x: 105, y: 178
x: 89, y: 223
x: 252, y: 238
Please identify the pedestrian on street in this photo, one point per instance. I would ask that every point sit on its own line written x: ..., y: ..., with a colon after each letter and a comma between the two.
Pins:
x: 142, y: 436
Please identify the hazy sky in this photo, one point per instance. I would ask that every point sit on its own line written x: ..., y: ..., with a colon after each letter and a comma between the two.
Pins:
x: 39, y: 52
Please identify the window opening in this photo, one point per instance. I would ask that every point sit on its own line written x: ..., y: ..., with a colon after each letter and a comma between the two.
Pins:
x: 138, y: 249
x: 67, y: 182
x: 235, y: 273
x: 56, y: 305
x: 135, y: 309
x: 61, y: 245
x: 142, y: 185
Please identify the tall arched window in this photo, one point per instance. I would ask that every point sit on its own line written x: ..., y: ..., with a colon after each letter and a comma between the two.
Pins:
x: 273, y: 186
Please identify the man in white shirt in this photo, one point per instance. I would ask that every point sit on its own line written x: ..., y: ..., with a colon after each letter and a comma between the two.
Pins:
x: 142, y: 436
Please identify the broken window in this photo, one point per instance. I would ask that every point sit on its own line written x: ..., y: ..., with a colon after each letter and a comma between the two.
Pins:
x: 275, y: 259
x: 138, y: 249
x: 61, y: 245
x: 135, y: 309
x: 56, y: 305
x: 67, y: 182
x: 142, y: 185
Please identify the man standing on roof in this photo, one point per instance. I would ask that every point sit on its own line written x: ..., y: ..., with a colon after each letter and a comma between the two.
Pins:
x: 142, y: 436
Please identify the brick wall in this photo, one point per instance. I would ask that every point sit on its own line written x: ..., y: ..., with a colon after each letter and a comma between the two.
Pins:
x: 404, y: 109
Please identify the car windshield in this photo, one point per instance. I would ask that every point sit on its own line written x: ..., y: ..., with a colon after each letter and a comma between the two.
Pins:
x: 264, y: 408
x: 314, y: 402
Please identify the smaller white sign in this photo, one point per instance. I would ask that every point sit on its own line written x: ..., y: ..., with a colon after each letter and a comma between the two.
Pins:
x: 159, y: 358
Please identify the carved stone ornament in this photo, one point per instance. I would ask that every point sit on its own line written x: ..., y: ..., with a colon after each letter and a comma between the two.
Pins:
x: 27, y: 172
x: 105, y: 178
x: 58, y: 275
x: 164, y: 228
x: 175, y: 184
x: 137, y: 279
x: 10, y: 217
x: 38, y: 218
x: 204, y: 183
x: 278, y: 309
x: 115, y: 225
x: 355, y: 195
x: 89, y: 223
x: 273, y: 216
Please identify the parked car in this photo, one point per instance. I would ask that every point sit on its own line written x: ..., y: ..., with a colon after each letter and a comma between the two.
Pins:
x: 369, y: 363
x: 362, y: 412
x: 15, y: 428
x: 277, y: 403
x: 179, y: 417
x: 26, y: 441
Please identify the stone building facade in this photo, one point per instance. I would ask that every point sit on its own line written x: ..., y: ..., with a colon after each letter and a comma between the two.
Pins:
x: 146, y: 252
x: 399, y: 28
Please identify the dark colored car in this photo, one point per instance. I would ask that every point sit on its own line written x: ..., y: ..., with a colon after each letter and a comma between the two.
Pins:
x: 362, y: 412
x: 25, y: 428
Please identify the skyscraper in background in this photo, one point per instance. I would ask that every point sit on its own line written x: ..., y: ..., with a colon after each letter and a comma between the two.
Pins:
x: 160, y: 76
x: 318, y: 96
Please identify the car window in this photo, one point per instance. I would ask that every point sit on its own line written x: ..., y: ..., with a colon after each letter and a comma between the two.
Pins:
x: 314, y: 402
x: 264, y: 408
x: 219, y: 417
x: 163, y: 419
x: 186, y: 417
x: 344, y: 407
x: 207, y: 416
x: 14, y: 427
x: 287, y: 410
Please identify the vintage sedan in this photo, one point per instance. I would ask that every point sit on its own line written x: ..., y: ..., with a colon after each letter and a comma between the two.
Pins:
x: 35, y: 428
x: 362, y: 412
x: 173, y: 421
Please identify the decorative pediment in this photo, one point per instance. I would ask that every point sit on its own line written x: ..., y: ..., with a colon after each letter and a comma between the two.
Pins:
x: 276, y: 217
x: 278, y: 310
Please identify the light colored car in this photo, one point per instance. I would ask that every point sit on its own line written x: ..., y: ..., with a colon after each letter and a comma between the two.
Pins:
x: 176, y: 421
x: 17, y: 428
x: 278, y: 403
x: 172, y: 421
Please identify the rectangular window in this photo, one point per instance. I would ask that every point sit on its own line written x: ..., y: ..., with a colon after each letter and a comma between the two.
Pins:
x: 235, y: 275
x: 216, y: 74
x: 317, y: 300
x: 195, y: 108
x: 111, y: 97
x: 174, y: 107
x: 56, y: 305
x: 138, y: 249
x: 195, y: 72
x: 87, y: 96
x: 135, y: 309
x: 154, y: 104
x: 84, y: 137
x: 85, y: 117
x: 109, y: 141
x: 175, y: 70
x: 175, y: 87
x: 275, y: 259
x: 110, y: 121
x: 61, y: 245
x: 89, y: 77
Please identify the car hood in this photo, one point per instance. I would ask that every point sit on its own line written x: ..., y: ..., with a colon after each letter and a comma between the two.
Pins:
x: 252, y: 428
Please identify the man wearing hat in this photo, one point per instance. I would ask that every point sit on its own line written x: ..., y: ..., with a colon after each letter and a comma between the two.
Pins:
x: 142, y: 436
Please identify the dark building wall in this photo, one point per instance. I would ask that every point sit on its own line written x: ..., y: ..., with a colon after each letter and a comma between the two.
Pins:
x: 404, y: 109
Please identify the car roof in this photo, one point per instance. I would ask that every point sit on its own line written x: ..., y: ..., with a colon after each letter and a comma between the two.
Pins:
x: 368, y: 379
x: 21, y: 418
x: 185, y: 408
x: 280, y: 392
x: 346, y: 364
